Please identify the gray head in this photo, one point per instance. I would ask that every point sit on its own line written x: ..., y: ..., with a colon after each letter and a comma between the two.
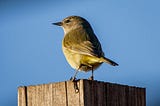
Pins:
x: 73, y: 22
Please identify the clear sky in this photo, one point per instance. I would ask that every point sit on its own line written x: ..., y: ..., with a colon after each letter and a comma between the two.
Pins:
x: 30, y: 46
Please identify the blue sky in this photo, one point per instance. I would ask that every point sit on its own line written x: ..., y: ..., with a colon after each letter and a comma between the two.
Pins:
x: 30, y: 46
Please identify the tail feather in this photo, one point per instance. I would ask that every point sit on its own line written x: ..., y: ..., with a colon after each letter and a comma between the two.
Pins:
x: 106, y: 60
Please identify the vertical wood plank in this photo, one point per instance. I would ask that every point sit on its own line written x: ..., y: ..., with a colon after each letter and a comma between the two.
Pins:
x: 81, y: 93
x: 22, y: 96
x: 88, y: 93
x: 31, y: 96
x: 100, y: 88
x: 143, y: 97
x: 59, y: 94
x: 72, y: 95
x: 99, y: 93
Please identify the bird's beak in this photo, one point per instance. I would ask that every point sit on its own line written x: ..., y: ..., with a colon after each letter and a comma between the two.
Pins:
x: 57, y: 23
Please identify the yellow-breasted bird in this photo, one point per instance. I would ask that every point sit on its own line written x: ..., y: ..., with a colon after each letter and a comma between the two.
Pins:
x: 80, y: 45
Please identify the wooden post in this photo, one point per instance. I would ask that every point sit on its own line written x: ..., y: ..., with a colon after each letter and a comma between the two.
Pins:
x: 81, y: 93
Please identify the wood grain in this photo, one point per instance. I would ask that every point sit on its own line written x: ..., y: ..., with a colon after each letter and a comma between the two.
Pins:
x: 90, y: 93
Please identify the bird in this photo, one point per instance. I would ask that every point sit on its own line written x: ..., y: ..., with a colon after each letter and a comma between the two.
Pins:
x: 81, y: 47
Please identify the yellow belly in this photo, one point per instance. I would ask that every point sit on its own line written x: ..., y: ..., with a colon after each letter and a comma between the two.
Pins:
x: 86, y: 62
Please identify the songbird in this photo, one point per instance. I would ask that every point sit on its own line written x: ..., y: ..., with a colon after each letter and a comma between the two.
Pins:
x: 80, y: 45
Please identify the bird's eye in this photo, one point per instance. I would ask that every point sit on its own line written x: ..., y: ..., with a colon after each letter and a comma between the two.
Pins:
x: 67, y: 21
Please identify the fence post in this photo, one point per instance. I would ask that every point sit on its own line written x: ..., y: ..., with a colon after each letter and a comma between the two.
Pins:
x: 81, y: 93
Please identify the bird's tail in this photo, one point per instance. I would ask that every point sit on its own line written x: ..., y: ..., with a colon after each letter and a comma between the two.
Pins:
x: 106, y: 60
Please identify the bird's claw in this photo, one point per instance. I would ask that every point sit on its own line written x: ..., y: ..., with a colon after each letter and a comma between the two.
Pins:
x: 91, y: 78
x: 73, y: 79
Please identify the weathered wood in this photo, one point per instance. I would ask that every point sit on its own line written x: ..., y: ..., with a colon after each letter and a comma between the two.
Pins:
x: 22, y: 96
x: 90, y: 93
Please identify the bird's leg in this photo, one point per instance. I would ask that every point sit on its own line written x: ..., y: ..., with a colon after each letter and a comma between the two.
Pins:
x: 75, y: 86
x: 74, y: 77
x: 92, y: 76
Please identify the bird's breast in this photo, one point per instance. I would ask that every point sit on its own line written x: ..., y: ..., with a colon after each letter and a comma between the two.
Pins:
x: 81, y: 61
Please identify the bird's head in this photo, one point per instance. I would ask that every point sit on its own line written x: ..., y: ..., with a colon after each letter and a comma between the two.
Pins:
x: 73, y: 22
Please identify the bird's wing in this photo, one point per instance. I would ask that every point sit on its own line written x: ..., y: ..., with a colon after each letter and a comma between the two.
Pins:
x: 83, y: 42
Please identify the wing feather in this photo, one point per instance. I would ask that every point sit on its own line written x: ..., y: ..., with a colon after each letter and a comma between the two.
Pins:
x: 83, y: 42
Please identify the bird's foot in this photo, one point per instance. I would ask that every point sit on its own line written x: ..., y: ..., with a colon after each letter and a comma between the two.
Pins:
x: 91, y: 78
x: 76, y: 86
x: 73, y: 79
